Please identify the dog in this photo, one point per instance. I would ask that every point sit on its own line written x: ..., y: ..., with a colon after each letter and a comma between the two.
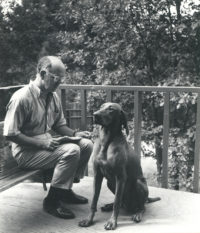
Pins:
x: 116, y: 160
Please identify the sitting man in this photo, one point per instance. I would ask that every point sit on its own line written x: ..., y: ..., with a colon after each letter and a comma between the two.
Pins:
x: 32, y: 112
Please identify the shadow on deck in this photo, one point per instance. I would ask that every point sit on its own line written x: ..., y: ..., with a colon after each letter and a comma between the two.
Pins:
x: 21, y: 212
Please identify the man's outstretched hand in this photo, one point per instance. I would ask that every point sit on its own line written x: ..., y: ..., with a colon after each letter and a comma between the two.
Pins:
x: 83, y: 134
x: 53, y: 143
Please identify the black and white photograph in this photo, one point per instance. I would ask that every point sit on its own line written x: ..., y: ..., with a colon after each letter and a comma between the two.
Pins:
x: 99, y: 116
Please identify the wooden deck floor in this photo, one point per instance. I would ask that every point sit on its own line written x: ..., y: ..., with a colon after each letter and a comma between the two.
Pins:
x: 21, y: 212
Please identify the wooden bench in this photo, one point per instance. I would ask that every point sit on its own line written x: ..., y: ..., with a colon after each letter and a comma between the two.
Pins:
x: 10, y: 173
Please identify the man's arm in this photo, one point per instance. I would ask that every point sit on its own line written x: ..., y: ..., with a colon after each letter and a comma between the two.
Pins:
x: 66, y: 131
x: 63, y: 130
x: 22, y: 139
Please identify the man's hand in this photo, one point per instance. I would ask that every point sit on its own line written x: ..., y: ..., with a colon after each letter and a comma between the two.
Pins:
x: 50, y: 144
x: 83, y: 134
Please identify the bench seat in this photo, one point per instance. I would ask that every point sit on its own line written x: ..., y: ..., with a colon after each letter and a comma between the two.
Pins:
x: 14, y: 176
x: 11, y: 174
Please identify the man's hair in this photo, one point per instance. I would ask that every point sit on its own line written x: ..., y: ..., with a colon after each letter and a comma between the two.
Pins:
x: 43, y: 64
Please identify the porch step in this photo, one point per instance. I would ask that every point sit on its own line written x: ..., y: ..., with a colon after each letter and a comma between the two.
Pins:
x: 21, y: 212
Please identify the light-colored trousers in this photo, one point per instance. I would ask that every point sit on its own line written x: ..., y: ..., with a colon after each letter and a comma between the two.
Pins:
x: 69, y: 160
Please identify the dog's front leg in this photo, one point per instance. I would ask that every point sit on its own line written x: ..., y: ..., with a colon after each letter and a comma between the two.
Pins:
x: 98, y: 178
x: 112, y: 222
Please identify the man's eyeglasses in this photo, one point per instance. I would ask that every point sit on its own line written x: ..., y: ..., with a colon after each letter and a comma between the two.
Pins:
x: 57, y: 78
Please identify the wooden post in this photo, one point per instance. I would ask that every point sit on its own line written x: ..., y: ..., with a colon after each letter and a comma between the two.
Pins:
x: 108, y: 96
x: 165, y: 140
x: 137, y: 121
x: 84, y: 116
x: 197, y: 149
x: 83, y: 109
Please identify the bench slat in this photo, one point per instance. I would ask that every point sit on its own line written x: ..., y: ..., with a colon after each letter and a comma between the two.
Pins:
x: 17, y: 177
x: 10, y: 173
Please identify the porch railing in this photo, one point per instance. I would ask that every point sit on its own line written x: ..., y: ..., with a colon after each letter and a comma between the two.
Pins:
x: 138, y: 90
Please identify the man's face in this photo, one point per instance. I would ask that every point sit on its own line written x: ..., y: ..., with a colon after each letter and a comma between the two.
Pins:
x: 53, y: 77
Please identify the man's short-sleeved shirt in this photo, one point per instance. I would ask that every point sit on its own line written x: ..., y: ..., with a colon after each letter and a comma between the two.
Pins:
x: 29, y: 113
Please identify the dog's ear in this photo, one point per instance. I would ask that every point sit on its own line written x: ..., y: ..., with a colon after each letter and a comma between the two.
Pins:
x: 124, y: 121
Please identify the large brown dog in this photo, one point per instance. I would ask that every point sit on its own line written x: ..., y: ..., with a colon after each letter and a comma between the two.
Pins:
x: 116, y: 160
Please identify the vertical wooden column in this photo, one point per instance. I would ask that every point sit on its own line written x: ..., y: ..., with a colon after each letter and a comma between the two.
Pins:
x: 137, y: 121
x: 2, y: 145
x: 83, y: 109
x: 84, y: 115
x: 108, y: 96
x: 165, y: 140
x: 197, y: 149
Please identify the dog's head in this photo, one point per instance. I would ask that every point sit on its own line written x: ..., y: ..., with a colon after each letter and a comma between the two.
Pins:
x: 111, y: 115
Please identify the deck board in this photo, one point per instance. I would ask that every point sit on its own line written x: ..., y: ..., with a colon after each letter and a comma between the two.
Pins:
x: 21, y: 212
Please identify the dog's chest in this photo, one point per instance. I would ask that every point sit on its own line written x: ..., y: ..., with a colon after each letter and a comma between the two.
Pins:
x: 107, y: 173
x: 106, y: 163
x: 106, y: 169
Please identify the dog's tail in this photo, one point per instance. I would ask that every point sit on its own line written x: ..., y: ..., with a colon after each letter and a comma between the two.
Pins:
x: 153, y: 199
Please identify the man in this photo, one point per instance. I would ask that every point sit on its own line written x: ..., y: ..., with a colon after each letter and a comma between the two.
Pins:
x: 31, y: 113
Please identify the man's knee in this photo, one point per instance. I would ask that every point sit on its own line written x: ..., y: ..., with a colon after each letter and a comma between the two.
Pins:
x: 86, y: 145
x: 72, y: 151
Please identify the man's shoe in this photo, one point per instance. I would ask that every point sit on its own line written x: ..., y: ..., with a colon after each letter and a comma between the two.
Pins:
x: 69, y: 197
x: 56, y: 209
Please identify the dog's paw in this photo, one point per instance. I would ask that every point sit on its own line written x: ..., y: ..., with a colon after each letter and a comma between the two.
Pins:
x: 110, y: 225
x: 85, y: 223
x: 137, y: 217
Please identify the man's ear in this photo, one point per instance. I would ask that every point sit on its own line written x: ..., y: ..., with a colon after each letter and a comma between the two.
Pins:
x: 124, y: 122
x: 42, y: 73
